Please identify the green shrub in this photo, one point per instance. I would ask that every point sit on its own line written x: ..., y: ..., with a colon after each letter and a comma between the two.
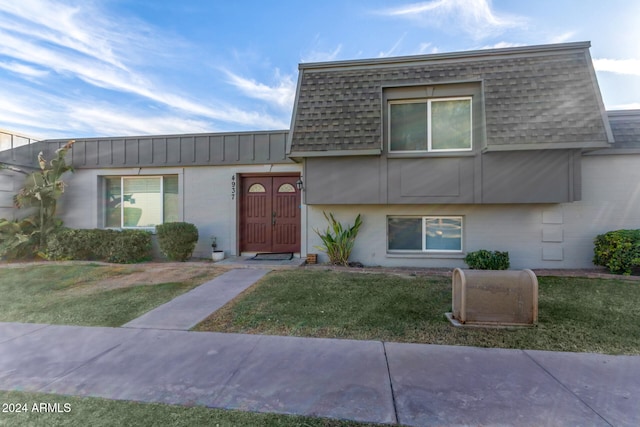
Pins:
x: 123, y: 247
x: 177, y: 240
x: 127, y: 246
x: 618, y: 250
x: 487, y: 260
x: 338, y: 241
x: 17, y: 238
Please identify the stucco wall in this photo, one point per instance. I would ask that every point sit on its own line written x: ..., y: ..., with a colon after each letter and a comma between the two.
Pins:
x: 536, y: 235
x: 205, y: 199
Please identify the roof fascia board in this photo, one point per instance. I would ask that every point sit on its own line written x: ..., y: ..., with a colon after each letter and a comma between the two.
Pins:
x: 289, y: 142
x: 623, y: 113
x: 545, y: 146
x: 596, y: 88
x: 612, y: 152
x: 465, y: 56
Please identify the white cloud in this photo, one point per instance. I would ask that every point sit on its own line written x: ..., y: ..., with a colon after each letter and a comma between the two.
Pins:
x: 632, y: 106
x: 24, y: 70
x: 118, y: 122
x: 57, y: 43
x: 502, y: 45
x: 393, y: 49
x: 321, y: 56
x: 281, y: 94
x: 618, y: 66
x: 562, y: 38
x: 475, y: 17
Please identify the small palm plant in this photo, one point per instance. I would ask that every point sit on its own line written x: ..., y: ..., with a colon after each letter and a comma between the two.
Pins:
x: 338, y: 240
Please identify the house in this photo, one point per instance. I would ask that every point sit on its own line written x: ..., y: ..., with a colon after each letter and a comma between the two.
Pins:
x: 502, y: 149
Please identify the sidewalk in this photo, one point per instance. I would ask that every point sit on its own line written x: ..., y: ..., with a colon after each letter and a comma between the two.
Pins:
x: 155, y: 359
x: 412, y: 384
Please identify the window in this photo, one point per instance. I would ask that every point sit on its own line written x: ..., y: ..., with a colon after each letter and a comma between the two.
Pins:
x: 430, y: 125
x: 286, y: 188
x: 425, y: 234
x: 141, y: 201
x: 257, y: 188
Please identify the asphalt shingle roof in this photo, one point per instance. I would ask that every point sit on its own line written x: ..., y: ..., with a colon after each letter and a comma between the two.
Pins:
x: 532, y: 96
x: 625, y: 126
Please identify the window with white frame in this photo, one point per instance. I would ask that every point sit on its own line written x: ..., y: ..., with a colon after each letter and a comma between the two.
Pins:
x: 140, y: 201
x: 424, y: 234
x: 430, y: 125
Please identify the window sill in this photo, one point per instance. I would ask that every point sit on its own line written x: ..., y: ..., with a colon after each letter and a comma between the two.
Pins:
x: 152, y: 230
x: 424, y: 154
x: 425, y: 255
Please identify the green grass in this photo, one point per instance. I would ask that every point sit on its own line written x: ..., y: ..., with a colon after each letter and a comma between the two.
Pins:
x: 575, y: 314
x: 97, y: 412
x: 67, y: 295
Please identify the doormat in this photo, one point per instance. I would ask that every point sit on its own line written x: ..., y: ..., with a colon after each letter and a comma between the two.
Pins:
x: 273, y: 256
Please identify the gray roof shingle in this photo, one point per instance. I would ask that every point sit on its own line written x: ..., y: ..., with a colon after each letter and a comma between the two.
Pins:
x: 625, y: 125
x: 534, y: 95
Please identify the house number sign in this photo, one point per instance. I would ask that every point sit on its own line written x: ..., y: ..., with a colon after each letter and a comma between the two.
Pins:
x: 233, y: 187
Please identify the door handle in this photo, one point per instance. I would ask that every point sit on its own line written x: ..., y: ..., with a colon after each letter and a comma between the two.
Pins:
x: 273, y: 218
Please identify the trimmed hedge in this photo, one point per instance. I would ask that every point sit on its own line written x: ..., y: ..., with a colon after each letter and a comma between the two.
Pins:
x: 618, y: 250
x: 177, y: 240
x: 122, y: 247
x: 487, y: 260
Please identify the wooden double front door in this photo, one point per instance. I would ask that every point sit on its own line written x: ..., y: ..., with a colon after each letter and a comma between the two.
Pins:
x: 269, y: 214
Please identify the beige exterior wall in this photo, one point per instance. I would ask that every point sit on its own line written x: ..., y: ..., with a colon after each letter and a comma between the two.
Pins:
x: 536, y: 235
x: 206, y: 199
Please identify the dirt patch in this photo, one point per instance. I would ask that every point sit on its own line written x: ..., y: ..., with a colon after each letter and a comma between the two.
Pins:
x: 116, y: 276
x: 153, y: 274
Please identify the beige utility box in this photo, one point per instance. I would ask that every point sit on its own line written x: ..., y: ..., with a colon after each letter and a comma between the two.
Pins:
x: 495, y: 297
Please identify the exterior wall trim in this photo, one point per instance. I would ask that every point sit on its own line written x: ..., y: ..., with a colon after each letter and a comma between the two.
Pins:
x: 545, y: 146
x: 336, y: 153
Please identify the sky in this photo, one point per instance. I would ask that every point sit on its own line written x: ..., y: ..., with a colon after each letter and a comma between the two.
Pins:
x: 90, y: 68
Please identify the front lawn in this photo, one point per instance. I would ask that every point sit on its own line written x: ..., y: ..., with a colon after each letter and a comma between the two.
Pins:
x: 72, y: 295
x: 54, y: 410
x: 575, y: 314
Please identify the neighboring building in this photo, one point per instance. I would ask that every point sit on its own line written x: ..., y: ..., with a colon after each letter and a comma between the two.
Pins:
x: 10, y: 179
x: 503, y: 149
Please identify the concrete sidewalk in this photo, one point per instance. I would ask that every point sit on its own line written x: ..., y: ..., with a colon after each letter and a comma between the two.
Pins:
x: 412, y: 384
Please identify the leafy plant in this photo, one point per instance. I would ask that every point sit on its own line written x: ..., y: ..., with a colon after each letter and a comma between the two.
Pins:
x: 338, y: 240
x: 41, y: 191
x: 487, y: 260
x: 123, y: 247
x: 177, y: 240
x: 17, y: 238
x: 618, y: 250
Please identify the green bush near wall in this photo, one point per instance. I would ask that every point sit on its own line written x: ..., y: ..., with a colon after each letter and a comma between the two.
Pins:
x: 177, y: 240
x: 618, y: 250
x: 487, y: 260
x: 122, y: 247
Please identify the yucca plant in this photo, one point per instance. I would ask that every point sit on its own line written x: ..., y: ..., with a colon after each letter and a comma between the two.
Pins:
x: 338, y: 240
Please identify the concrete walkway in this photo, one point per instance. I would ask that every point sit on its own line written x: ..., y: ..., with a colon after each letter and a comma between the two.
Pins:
x: 189, y: 309
x: 154, y: 360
